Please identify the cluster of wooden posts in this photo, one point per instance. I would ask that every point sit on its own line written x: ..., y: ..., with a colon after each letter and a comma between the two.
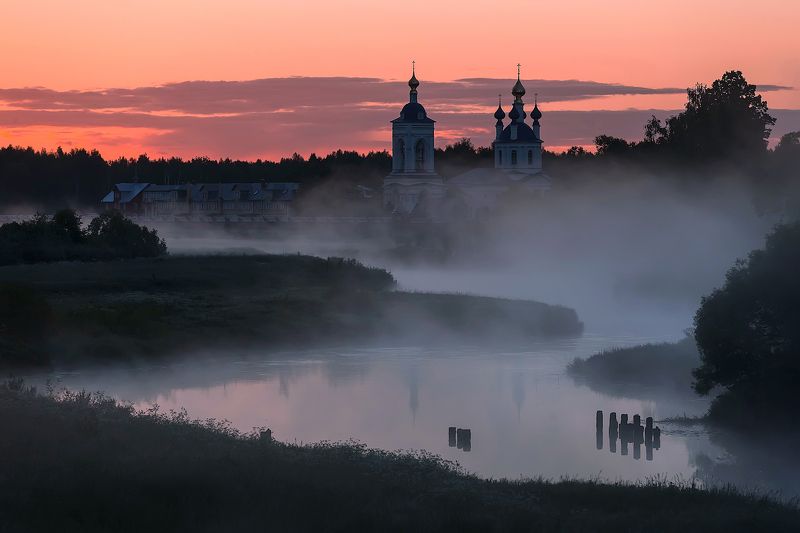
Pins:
x: 629, y: 433
x: 459, y: 438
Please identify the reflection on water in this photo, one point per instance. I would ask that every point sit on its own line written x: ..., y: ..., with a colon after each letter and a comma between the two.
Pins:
x: 528, y: 418
x: 459, y: 438
x: 628, y: 434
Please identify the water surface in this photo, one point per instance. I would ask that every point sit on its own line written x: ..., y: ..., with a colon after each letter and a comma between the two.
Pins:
x: 527, y: 417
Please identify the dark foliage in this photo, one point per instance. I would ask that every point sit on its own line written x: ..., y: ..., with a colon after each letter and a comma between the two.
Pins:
x: 82, y: 462
x: 664, y: 364
x: 155, y: 308
x: 748, y: 334
x: 62, y: 238
x: 26, y: 318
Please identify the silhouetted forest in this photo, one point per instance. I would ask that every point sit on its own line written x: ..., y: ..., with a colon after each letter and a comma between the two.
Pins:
x: 62, y: 238
x: 724, y: 129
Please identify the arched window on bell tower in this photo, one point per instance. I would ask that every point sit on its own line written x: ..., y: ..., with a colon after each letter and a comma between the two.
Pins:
x: 400, y: 154
x: 419, y: 155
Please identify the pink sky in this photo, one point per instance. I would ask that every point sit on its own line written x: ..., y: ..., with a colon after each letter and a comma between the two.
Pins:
x: 115, y: 71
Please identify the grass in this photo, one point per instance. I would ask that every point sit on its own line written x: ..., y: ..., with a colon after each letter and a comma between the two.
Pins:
x: 82, y: 462
x: 111, y: 311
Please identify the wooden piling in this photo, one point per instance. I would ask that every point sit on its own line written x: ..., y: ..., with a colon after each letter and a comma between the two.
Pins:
x: 451, y: 436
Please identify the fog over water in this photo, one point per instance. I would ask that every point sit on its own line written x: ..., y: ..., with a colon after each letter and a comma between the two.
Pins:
x: 633, y: 260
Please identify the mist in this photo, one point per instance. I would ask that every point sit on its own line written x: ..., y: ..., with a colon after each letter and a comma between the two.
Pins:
x: 632, y: 256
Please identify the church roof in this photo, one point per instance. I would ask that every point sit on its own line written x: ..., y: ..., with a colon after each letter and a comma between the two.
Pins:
x: 524, y: 134
x: 415, y: 113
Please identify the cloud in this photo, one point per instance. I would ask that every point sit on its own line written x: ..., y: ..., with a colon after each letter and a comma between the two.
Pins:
x: 278, y: 116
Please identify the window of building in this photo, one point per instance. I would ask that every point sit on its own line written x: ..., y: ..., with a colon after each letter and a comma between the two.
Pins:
x: 530, y: 157
x: 400, y: 154
x: 420, y: 155
x: 513, y: 157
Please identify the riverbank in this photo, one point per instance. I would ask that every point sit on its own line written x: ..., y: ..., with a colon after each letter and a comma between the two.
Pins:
x: 69, y: 312
x: 665, y: 365
x: 84, y: 463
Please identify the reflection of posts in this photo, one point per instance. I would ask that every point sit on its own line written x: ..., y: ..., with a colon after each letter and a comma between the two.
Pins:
x: 638, y: 437
x: 648, y: 438
x: 612, y: 432
x: 598, y: 422
x: 629, y: 433
x: 460, y: 438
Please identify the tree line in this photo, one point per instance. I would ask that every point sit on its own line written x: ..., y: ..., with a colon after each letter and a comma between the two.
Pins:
x: 726, y: 123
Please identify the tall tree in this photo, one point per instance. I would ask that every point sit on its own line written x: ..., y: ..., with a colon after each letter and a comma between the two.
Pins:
x: 726, y: 120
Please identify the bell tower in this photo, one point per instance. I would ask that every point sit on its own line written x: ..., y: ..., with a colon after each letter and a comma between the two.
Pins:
x: 413, y: 186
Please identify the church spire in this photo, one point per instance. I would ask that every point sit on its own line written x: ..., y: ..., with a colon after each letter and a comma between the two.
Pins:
x: 413, y: 83
x: 519, y: 90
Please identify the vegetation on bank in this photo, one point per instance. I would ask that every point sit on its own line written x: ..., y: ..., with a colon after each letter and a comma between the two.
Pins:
x: 61, y: 313
x: 85, y: 463
x: 745, y: 346
x: 663, y: 365
x: 62, y: 237
x: 748, y: 334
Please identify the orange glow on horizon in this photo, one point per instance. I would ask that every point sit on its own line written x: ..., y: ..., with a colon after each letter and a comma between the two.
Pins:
x: 96, y: 44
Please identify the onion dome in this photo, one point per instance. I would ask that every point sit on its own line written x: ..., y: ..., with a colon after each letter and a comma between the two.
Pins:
x: 413, y: 82
x: 536, y: 114
x: 519, y: 90
x: 499, y: 114
x: 514, y: 113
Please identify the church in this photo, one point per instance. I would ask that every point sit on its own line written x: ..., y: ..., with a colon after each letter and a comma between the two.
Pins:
x: 413, y: 188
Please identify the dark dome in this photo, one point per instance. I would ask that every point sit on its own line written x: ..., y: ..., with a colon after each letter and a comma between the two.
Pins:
x: 413, y: 82
x: 524, y: 134
x: 536, y: 114
x: 518, y: 90
x: 413, y: 112
x: 499, y: 114
x: 513, y: 114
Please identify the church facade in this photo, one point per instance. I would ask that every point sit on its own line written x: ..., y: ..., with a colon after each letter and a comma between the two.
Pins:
x: 413, y: 188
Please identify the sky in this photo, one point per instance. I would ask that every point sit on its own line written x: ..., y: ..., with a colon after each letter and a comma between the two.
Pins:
x: 262, y: 79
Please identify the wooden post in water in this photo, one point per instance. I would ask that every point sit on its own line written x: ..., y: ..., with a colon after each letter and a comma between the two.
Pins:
x: 460, y: 438
x: 451, y: 436
x: 613, y: 429
x: 599, y: 420
x: 657, y: 438
x: 467, y: 435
